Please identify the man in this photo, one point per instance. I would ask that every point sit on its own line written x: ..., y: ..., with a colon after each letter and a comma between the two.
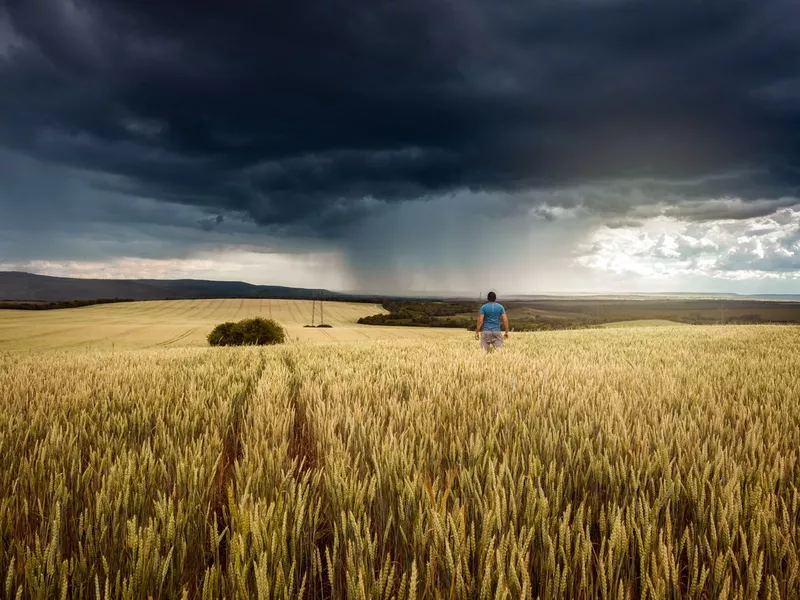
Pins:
x: 488, y: 330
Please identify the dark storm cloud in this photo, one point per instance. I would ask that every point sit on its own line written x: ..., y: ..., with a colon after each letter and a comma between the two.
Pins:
x: 305, y: 116
x: 47, y: 212
x: 725, y: 209
x: 211, y: 222
x: 622, y: 223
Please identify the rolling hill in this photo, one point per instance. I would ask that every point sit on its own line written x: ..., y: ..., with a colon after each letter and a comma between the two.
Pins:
x: 28, y: 287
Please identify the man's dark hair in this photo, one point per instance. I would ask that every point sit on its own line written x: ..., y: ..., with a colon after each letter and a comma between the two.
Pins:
x: 492, y: 297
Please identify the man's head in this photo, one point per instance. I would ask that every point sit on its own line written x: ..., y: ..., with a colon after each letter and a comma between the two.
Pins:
x: 491, y: 297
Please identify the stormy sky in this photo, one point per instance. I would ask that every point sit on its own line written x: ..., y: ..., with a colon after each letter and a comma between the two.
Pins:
x: 405, y: 145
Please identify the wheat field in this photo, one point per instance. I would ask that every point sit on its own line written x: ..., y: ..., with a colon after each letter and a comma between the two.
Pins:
x: 612, y: 463
x: 185, y: 323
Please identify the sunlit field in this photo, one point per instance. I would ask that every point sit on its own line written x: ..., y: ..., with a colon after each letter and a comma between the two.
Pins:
x: 181, y: 323
x: 650, y: 462
x: 640, y: 323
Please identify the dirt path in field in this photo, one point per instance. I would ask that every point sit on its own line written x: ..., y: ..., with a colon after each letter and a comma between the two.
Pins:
x: 304, y: 448
x: 225, y: 477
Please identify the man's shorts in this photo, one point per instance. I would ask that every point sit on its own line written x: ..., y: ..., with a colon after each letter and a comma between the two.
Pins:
x: 491, y: 338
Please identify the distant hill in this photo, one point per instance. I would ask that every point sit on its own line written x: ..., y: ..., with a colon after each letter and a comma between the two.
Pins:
x: 20, y: 286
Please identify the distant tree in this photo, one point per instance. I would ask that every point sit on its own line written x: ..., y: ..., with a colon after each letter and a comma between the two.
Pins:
x: 13, y: 305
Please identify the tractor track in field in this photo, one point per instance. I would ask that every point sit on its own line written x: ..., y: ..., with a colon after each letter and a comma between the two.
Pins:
x: 120, y: 318
x: 206, y: 310
x: 43, y: 334
x: 164, y: 307
x: 174, y: 339
x: 292, y: 316
x: 219, y: 519
x: 337, y: 318
x: 214, y: 313
x: 239, y: 309
x: 303, y: 447
x: 141, y: 308
x: 328, y: 334
x: 92, y: 341
x: 195, y: 311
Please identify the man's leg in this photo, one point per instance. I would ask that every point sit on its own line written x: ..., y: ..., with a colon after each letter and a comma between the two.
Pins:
x: 497, y: 340
x: 485, y: 342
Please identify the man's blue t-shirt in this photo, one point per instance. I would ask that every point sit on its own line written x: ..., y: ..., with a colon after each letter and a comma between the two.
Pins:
x: 491, y: 312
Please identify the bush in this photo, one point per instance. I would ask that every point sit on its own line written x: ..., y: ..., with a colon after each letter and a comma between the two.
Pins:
x: 261, y: 332
x: 225, y: 334
x: 248, y: 332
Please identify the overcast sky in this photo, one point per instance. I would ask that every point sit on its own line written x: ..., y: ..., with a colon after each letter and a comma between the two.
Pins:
x: 405, y: 145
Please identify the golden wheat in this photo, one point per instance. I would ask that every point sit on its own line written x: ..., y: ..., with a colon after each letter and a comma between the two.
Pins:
x: 652, y: 463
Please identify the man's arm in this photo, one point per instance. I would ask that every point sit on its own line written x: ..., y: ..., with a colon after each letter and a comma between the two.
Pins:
x: 505, y: 322
x: 480, y: 324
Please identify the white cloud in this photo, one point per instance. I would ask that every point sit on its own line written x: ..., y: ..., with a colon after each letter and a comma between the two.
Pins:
x: 756, y: 248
